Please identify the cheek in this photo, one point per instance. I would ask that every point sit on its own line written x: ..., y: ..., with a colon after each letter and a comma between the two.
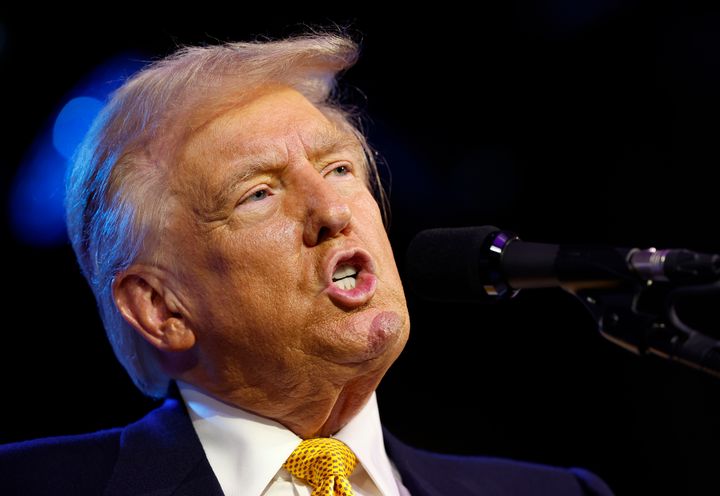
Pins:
x: 371, y: 229
x: 256, y: 264
x: 245, y: 277
x: 368, y: 219
x: 364, y: 204
x: 254, y: 254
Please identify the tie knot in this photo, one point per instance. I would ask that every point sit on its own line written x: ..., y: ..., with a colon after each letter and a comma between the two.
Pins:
x: 324, y: 463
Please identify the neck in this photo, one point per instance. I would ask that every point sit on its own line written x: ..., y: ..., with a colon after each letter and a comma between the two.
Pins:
x: 319, y: 409
x: 327, y: 417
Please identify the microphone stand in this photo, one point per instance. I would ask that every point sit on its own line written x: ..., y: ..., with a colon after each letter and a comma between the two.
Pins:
x: 643, y: 318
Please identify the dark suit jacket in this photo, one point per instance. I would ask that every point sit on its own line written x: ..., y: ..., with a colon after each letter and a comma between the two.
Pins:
x: 162, y: 455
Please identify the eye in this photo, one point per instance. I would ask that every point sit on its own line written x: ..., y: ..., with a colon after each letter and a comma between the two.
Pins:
x: 340, y: 170
x: 256, y: 196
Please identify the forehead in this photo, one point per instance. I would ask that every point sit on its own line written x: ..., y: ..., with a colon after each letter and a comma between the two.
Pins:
x: 269, y: 129
x: 255, y: 126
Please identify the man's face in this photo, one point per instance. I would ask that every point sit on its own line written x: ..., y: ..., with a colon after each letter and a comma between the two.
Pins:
x: 284, y: 265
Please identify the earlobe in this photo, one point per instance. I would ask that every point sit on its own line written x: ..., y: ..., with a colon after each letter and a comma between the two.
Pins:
x: 147, y: 305
x: 176, y: 336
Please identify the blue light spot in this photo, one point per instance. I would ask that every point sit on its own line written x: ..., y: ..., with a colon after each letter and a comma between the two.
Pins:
x: 36, y: 200
x: 73, y: 122
x: 37, y: 212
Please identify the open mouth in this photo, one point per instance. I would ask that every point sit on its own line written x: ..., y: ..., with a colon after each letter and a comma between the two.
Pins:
x: 345, y: 276
x: 351, y: 277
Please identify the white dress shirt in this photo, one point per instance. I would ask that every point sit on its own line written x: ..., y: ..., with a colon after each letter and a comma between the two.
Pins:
x: 246, y: 452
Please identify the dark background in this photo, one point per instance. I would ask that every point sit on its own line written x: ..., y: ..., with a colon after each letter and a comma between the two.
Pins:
x: 564, y: 121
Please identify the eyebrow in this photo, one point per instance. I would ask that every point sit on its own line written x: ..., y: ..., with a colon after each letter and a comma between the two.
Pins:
x: 323, y: 143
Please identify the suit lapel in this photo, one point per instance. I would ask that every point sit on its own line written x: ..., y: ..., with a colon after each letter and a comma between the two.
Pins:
x: 404, y: 459
x: 161, y: 455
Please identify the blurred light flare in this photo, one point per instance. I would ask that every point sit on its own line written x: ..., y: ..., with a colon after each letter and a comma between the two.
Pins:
x: 37, y: 212
x: 72, y: 122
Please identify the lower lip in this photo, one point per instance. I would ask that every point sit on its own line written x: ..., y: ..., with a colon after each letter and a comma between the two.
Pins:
x: 362, y: 292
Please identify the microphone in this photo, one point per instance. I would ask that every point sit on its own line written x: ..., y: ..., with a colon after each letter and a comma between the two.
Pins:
x: 486, y: 263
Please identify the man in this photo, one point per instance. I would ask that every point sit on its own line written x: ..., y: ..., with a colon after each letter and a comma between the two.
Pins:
x: 221, y: 208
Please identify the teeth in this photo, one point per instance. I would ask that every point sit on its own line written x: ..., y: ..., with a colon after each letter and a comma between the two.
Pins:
x: 347, y: 283
x: 344, y: 277
x: 344, y: 270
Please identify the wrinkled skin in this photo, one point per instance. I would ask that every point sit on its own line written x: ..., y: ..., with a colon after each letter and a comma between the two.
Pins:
x: 244, y: 311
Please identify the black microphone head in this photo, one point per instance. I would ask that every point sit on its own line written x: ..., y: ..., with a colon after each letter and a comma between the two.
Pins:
x: 450, y: 264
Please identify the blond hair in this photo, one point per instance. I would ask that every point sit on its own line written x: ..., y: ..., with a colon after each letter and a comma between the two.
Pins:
x: 116, y: 196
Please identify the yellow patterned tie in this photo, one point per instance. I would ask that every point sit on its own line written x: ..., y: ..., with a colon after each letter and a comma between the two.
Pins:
x: 325, y: 464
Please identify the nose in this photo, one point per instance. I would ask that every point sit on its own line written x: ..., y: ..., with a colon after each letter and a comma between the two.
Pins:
x: 327, y: 213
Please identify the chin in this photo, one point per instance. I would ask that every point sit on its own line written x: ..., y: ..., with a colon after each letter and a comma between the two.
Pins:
x: 388, y: 333
x: 378, y: 337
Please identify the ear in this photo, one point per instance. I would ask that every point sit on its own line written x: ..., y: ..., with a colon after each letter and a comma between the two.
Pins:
x: 149, y: 306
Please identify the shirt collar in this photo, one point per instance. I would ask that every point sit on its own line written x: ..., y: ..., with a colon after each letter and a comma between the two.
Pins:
x: 364, y: 435
x: 246, y: 450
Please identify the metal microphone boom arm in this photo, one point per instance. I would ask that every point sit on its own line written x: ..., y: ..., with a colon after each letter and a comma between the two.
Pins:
x: 644, y: 320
